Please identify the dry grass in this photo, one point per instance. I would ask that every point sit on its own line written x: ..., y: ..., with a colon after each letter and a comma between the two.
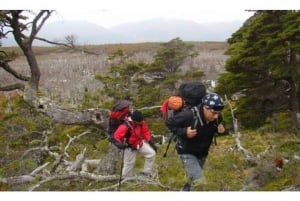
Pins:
x: 66, y: 74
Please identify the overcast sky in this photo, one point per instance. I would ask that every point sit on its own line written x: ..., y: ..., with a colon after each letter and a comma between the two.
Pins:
x: 108, y: 13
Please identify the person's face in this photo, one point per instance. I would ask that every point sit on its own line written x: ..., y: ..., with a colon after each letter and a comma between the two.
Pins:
x: 210, y: 114
x: 138, y: 122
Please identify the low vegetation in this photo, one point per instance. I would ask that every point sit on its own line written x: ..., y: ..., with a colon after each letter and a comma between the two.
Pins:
x: 53, y: 108
x: 226, y: 168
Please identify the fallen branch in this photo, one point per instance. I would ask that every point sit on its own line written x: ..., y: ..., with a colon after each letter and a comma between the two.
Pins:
x: 76, y: 176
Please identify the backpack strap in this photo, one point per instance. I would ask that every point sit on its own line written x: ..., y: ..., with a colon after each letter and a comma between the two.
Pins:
x: 129, y: 126
x: 196, y: 117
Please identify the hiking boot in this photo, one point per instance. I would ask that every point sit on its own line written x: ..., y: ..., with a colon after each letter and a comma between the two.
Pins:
x: 186, y: 187
x: 200, y: 182
x: 146, y: 174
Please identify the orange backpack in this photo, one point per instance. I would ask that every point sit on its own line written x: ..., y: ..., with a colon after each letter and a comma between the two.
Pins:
x: 171, y: 104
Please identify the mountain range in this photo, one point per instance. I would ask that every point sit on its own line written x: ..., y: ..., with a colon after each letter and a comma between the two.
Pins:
x: 153, y: 30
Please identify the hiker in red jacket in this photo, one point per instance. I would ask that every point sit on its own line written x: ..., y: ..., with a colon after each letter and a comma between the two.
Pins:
x: 134, y: 136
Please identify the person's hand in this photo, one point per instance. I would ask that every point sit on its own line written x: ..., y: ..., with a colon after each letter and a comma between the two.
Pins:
x: 119, y: 145
x: 190, y: 133
x: 152, y: 144
x: 221, y: 128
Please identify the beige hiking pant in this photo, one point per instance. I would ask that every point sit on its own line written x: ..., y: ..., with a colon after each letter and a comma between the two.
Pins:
x: 130, y: 156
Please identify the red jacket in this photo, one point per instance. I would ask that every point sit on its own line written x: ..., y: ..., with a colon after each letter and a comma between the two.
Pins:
x: 138, y: 133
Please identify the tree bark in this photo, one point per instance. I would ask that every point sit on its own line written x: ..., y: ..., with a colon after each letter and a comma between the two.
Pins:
x: 94, y: 116
x: 110, y: 163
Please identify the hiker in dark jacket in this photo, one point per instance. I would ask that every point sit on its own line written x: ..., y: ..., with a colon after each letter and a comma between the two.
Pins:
x: 195, y: 133
x: 139, y: 140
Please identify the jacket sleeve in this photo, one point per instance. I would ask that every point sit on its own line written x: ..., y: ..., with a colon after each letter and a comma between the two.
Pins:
x: 179, y: 123
x: 146, y: 131
x: 120, y: 133
x: 218, y: 121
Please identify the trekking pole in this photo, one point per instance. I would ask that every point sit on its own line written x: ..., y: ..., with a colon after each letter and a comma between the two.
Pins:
x: 169, y: 142
x: 122, y: 164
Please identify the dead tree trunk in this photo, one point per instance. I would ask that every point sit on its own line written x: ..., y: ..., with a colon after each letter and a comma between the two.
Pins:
x: 248, y: 155
x: 110, y: 163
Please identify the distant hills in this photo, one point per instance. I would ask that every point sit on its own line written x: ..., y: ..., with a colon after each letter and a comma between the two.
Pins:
x: 154, y: 30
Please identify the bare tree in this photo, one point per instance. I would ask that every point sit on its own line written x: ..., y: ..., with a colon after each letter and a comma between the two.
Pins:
x: 25, y: 32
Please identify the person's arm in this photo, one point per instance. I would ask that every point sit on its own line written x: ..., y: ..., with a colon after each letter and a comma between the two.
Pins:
x: 147, y: 135
x: 180, y: 122
x: 118, y: 136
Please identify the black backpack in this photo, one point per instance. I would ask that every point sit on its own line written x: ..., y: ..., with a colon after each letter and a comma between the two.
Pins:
x: 191, y: 93
x: 188, y: 95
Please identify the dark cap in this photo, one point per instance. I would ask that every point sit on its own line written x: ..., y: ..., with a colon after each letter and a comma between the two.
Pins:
x: 213, y: 101
x: 137, y: 116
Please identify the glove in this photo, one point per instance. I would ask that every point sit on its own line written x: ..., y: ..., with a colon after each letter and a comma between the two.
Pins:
x: 152, y: 144
x: 119, y: 145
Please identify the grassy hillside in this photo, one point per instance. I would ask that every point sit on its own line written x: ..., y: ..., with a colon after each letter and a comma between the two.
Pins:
x: 226, y: 169
x: 66, y: 74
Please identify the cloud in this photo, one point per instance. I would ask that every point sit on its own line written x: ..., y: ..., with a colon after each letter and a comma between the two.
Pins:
x: 109, y: 13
